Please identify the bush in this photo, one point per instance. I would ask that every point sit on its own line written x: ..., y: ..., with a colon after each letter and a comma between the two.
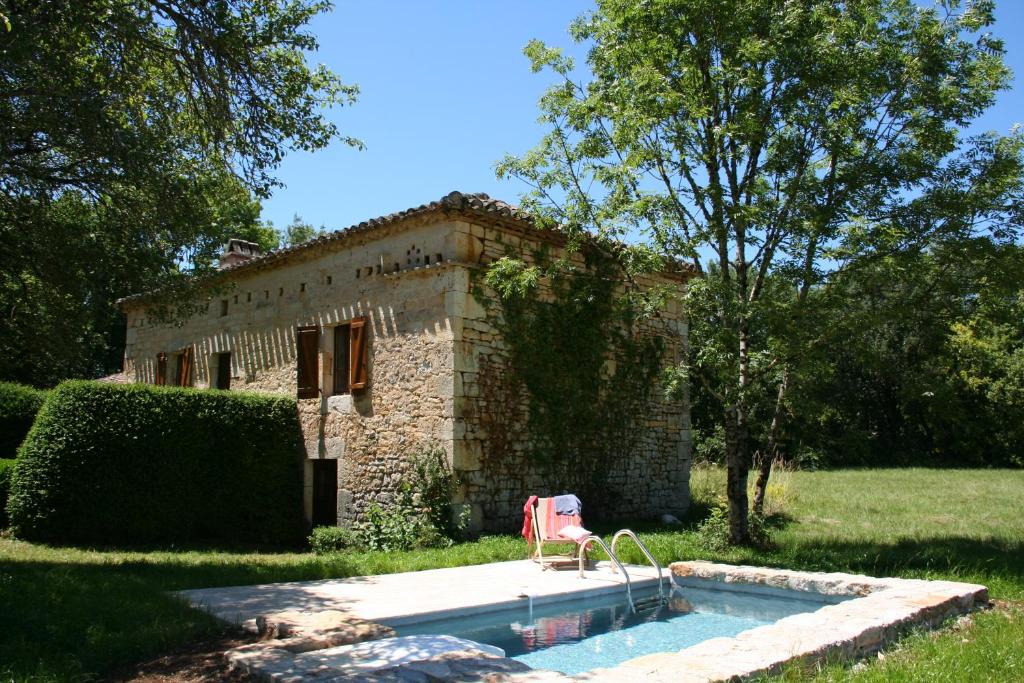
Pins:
x: 397, y: 526
x: 6, y: 468
x: 713, y: 532
x: 18, y: 407
x: 421, y: 515
x: 136, y: 464
x: 331, y: 539
x: 434, y: 484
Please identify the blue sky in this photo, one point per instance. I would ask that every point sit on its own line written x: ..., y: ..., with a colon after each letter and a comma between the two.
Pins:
x: 446, y: 92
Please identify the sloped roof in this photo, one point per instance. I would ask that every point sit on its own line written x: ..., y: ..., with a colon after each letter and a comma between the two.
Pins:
x: 478, y: 203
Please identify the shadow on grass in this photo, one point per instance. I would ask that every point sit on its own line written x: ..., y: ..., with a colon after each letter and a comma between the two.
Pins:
x: 70, y: 615
x: 957, y: 558
x: 73, y: 616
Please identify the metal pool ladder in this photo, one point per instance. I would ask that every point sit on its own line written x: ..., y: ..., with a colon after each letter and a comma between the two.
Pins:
x: 647, y: 553
x: 615, y: 563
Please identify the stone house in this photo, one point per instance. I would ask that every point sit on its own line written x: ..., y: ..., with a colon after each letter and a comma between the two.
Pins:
x: 385, y: 335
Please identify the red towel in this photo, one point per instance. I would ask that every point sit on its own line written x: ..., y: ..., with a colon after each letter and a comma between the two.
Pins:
x: 528, y: 518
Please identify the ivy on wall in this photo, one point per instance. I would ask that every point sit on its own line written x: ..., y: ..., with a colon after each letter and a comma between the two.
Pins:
x: 570, y: 393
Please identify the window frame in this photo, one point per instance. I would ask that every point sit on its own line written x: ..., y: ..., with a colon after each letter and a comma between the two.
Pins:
x: 160, y: 376
x: 223, y: 365
x: 307, y: 357
x: 341, y: 363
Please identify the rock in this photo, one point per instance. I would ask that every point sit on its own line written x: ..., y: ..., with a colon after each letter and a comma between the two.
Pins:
x: 670, y: 519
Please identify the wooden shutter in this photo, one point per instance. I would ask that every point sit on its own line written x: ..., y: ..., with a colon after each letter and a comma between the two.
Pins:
x: 307, y: 356
x: 161, y: 369
x: 357, y: 354
x: 185, y: 377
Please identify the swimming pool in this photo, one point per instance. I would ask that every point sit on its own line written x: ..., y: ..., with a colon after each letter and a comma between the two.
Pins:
x: 578, y: 635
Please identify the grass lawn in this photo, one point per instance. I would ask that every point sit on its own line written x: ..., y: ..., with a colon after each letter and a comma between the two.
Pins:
x: 74, y: 614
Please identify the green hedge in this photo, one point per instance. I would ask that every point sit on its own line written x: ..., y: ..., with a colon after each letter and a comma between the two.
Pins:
x: 115, y: 464
x: 18, y: 407
x: 6, y: 467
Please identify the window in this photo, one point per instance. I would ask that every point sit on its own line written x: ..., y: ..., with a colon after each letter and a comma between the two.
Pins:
x: 349, y: 369
x: 307, y: 357
x: 223, y: 307
x: 161, y: 369
x: 341, y: 367
x: 222, y: 379
x: 183, y: 367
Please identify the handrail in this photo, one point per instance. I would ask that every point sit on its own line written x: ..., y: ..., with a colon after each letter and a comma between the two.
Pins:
x: 614, y: 559
x: 647, y: 553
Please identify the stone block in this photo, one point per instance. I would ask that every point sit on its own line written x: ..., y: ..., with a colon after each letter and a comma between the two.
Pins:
x: 468, y: 455
x: 339, y: 404
x: 334, y: 447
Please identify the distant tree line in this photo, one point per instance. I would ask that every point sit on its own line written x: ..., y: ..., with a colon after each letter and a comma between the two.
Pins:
x: 922, y: 364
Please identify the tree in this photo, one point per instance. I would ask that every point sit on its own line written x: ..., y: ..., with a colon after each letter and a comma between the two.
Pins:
x: 298, y: 231
x: 929, y: 369
x: 135, y: 137
x: 790, y: 144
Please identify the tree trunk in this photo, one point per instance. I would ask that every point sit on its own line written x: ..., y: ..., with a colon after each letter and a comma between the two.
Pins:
x: 765, y: 459
x: 737, y: 466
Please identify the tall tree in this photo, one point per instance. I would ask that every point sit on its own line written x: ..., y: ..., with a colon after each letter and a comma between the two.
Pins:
x: 299, y: 231
x: 154, y: 122
x: 788, y: 143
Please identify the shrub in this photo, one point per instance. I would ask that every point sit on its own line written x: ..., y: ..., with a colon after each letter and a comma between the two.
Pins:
x: 434, y: 484
x: 397, y: 526
x: 18, y: 407
x: 331, y: 539
x: 713, y: 532
x: 420, y: 516
x: 137, y: 464
x: 6, y: 468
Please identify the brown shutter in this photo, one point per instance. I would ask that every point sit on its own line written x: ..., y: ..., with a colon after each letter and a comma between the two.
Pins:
x: 357, y: 354
x: 161, y: 369
x: 307, y: 340
x: 185, y: 379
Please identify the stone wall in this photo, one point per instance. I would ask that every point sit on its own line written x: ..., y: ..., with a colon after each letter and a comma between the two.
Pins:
x: 648, y: 460
x: 408, y: 404
x: 438, y: 377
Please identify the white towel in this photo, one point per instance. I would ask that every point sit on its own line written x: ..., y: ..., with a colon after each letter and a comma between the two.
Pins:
x: 574, y: 533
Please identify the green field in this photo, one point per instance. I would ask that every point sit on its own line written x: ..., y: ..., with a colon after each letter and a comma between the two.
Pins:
x: 74, y: 614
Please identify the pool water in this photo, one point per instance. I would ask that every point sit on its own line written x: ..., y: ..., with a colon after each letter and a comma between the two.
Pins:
x: 577, y: 635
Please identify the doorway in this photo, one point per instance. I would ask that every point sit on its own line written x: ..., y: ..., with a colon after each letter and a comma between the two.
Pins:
x: 325, y: 492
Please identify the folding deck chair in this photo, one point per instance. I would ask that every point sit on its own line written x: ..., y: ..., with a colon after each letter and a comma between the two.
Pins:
x: 542, y: 525
x: 548, y: 528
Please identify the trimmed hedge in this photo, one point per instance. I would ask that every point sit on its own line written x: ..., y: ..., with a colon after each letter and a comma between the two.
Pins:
x: 6, y: 468
x: 18, y: 407
x: 136, y: 464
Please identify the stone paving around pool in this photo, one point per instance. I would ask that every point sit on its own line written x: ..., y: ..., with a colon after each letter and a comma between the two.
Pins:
x: 331, y: 630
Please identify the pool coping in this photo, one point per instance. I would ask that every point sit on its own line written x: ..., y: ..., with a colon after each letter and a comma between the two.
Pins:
x: 880, y: 610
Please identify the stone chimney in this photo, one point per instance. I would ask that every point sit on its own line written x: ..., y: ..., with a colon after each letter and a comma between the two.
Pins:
x: 238, y: 251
